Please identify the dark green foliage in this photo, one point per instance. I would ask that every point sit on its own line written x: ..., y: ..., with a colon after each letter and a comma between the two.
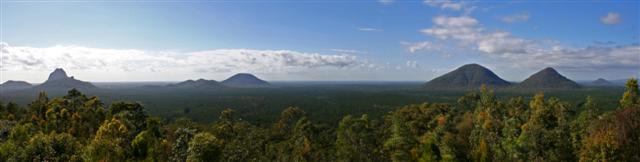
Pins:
x: 480, y: 126
x: 324, y: 103
x: 204, y: 147
x: 180, y: 145
x: 614, y: 138
x: 631, y: 95
x: 356, y: 140
x: 53, y: 147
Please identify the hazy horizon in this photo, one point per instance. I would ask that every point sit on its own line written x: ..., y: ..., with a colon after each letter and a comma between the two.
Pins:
x: 316, y: 40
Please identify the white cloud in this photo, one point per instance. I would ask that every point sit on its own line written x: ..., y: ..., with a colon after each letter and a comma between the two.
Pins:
x: 349, y: 51
x: 502, y: 43
x: 459, y: 28
x: 462, y: 21
x: 451, y: 6
x: 418, y: 46
x: 369, y: 29
x: 445, y: 4
x: 466, y: 31
x: 588, y: 58
x: 519, y: 17
x: 78, y: 58
x: 521, y: 52
x: 611, y: 18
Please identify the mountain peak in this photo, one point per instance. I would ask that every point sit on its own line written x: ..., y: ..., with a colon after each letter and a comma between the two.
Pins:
x: 245, y: 80
x: 601, y: 82
x: 549, y: 70
x: 15, y: 83
x: 58, y: 74
x: 58, y: 79
x: 244, y: 75
x: 548, y: 78
x: 472, y: 65
x: 469, y: 76
x: 200, y: 83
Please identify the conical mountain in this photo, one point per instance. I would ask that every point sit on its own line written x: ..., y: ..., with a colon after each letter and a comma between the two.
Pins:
x: 58, y: 79
x: 548, y: 78
x: 601, y: 82
x: 469, y: 76
x: 200, y: 83
x: 245, y: 80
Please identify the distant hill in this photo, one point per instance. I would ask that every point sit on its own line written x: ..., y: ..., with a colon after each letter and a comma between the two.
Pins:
x: 548, y: 78
x: 601, y: 82
x: 200, y: 83
x: 470, y: 76
x: 245, y: 80
x: 14, y: 85
x: 59, y: 80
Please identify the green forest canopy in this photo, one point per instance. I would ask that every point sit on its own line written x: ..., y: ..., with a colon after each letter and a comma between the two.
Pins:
x: 478, y: 127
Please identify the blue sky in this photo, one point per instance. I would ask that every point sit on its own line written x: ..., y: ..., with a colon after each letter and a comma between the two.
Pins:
x: 317, y: 40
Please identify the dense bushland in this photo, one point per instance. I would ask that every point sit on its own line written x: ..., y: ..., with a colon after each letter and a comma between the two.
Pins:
x: 479, y: 127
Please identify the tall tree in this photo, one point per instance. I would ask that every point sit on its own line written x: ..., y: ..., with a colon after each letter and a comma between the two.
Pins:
x: 39, y: 106
x: 615, y: 138
x: 111, y: 142
x: 401, y: 142
x: 580, y: 126
x: 630, y: 96
x: 485, y: 136
x: 204, y: 147
x: 131, y: 113
x: 355, y: 139
x: 53, y: 147
x: 546, y: 135
x: 180, y: 147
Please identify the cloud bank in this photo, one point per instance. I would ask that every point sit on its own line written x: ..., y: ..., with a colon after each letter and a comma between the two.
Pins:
x: 445, y: 4
x: 513, y: 51
x: 139, y: 61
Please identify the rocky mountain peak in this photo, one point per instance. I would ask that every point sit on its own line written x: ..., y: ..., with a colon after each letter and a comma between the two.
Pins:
x: 57, y: 74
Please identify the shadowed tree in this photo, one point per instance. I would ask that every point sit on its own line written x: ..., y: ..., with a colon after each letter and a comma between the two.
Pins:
x: 580, y: 126
x: 39, y: 106
x: 180, y: 147
x: 355, y: 139
x: 285, y: 123
x: 400, y: 143
x: 615, y: 138
x: 53, y: 147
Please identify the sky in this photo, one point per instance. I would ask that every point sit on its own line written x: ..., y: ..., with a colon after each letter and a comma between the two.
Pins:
x: 355, y: 40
